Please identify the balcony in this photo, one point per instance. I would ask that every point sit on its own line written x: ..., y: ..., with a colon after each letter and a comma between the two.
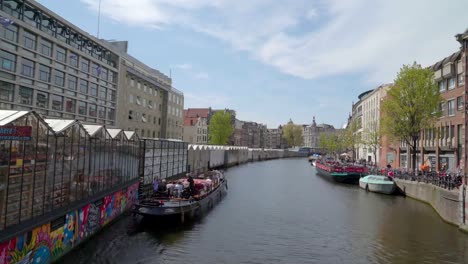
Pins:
x: 448, y: 70
x: 438, y: 75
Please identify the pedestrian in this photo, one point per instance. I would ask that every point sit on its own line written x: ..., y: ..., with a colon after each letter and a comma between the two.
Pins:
x: 191, y: 185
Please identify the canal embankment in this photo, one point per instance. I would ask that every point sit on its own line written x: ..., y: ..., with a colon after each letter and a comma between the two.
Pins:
x: 446, y: 203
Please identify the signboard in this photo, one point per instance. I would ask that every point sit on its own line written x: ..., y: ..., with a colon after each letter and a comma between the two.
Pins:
x: 15, y: 132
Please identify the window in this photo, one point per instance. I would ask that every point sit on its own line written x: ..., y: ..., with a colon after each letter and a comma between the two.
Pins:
x: 451, y: 107
x: 144, y: 88
x: 92, y: 110
x: 72, y: 82
x: 111, y: 95
x: 150, y: 104
x: 112, y: 76
x: 102, y: 112
x: 84, y: 65
x: 110, y: 114
x: 139, y: 86
x: 159, y: 121
x: 6, y: 91
x: 7, y: 61
x: 29, y: 40
x: 441, y: 86
x: 104, y: 74
x: 130, y: 114
x: 451, y: 83
x: 132, y: 82
x: 60, y: 54
x: 150, y: 91
x: 44, y: 73
x: 460, y: 102
x: 11, y: 33
x: 27, y: 67
x: 130, y: 98
x: 81, y: 108
x: 442, y: 108
x: 143, y: 118
x: 460, y: 79
x: 59, y: 78
x: 83, y: 86
x: 25, y: 95
x: 46, y: 48
x: 42, y: 99
x: 155, y: 92
x: 57, y: 102
x: 73, y: 60
x: 144, y: 102
x: 138, y: 101
x: 103, y: 93
x: 93, y: 89
x: 70, y: 105
x: 95, y: 69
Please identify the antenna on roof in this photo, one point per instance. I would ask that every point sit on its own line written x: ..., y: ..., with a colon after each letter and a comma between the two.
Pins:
x: 99, y: 19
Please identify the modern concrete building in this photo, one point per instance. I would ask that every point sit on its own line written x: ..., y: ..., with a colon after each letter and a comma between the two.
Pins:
x: 58, y: 70
x: 51, y: 66
x: 196, y: 125
x: 311, y: 133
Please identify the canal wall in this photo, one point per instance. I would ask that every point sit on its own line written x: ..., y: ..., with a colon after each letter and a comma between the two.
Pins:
x: 445, y: 202
x: 49, y: 241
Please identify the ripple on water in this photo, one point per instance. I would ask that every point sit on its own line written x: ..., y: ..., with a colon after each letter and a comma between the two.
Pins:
x: 281, y: 212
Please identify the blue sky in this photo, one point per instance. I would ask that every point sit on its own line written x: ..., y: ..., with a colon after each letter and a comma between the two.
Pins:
x: 275, y: 60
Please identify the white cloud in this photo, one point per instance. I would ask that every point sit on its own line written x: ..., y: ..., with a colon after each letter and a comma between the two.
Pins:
x: 311, y: 39
x: 184, y: 66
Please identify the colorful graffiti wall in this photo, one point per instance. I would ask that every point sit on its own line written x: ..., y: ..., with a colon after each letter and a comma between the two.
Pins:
x: 49, y: 242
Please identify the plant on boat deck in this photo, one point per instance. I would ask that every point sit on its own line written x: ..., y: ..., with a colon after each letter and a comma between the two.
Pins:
x: 411, y: 106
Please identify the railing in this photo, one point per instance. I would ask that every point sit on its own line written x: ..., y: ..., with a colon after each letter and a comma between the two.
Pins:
x: 447, y: 180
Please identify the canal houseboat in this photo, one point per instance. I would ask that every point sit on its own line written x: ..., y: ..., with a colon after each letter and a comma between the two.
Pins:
x: 340, y: 172
x: 210, y: 188
x: 378, y: 183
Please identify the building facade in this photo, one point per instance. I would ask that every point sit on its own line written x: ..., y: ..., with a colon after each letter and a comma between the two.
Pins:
x: 142, y: 97
x: 369, y: 124
x: 196, y: 125
x: 53, y: 67
x: 311, y: 133
x: 254, y: 135
x: 274, y: 139
x: 442, y: 147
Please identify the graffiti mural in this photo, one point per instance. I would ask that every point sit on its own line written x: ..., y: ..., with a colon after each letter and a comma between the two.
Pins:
x: 41, y: 245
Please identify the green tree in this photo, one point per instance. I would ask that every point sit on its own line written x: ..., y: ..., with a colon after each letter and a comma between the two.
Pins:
x: 220, y: 128
x: 411, y: 106
x: 372, y: 138
x: 351, y: 137
x: 293, y: 134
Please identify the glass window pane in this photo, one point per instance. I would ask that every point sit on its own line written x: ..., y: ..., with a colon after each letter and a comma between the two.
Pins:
x: 44, y: 73
x: 42, y: 99
x: 46, y: 47
x: 57, y: 102
x: 29, y: 40
x: 25, y: 95
x: 6, y: 91
x: 27, y: 67
x: 82, y: 108
x: 7, y: 61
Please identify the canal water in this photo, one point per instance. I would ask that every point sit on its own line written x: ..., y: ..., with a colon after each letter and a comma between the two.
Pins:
x: 280, y: 211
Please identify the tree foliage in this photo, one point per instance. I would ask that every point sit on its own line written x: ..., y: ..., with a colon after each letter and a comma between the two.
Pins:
x: 220, y: 128
x: 293, y: 134
x: 412, y: 105
x: 351, y: 137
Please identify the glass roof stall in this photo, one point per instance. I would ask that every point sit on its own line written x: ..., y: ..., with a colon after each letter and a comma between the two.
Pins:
x: 132, y: 156
x: 100, y: 159
x: 119, y: 155
x: 25, y: 156
x: 68, y: 180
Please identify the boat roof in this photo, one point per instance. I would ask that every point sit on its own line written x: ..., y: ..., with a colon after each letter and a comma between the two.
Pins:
x: 380, y: 179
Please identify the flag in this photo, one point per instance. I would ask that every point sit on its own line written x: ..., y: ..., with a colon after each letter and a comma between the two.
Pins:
x: 98, y: 70
x: 5, y: 22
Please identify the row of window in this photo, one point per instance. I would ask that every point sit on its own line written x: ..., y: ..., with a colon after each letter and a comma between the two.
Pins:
x: 142, y: 101
x: 45, y: 48
x: 449, y: 84
x: 57, y: 30
x: 175, y: 99
x: 25, y: 95
x: 174, y: 111
x: 142, y: 117
x: 8, y: 62
x: 451, y: 106
x: 146, y: 89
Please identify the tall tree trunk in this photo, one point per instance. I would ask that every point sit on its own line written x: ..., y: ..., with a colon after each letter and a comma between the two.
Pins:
x: 375, y: 157
x: 414, y: 156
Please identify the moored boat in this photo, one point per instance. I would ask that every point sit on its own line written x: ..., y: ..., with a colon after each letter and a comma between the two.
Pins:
x: 210, y: 187
x: 378, y: 183
x: 340, y: 173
